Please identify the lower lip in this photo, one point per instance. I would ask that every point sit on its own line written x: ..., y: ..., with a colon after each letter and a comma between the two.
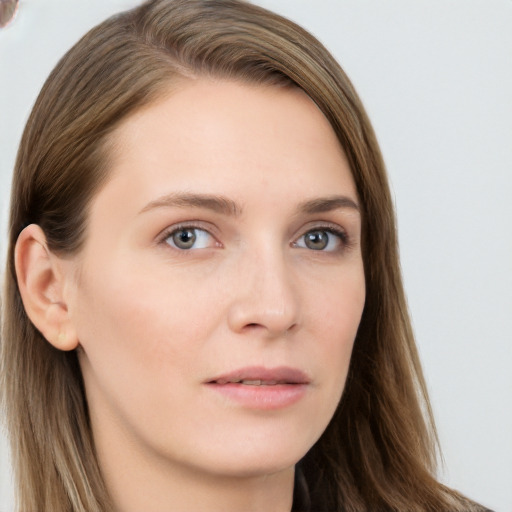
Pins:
x: 261, y: 397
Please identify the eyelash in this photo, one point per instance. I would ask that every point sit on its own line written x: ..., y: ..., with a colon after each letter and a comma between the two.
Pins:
x: 332, y: 230
x: 184, y: 227
x: 344, y: 239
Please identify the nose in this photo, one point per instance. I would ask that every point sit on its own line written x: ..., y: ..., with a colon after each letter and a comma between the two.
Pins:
x: 265, y: 299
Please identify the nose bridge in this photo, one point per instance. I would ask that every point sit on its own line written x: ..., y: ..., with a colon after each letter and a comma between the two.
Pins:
x: 266, y: 297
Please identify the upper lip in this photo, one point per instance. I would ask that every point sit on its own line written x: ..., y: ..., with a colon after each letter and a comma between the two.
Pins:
x: 277, y: 375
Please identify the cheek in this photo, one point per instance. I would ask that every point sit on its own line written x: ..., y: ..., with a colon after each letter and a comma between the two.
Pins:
x: 132, y: 328
x: 336, y: 304
x: 334, y: 311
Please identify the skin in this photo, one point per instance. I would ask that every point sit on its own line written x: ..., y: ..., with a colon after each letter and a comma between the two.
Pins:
x: 154, y: 323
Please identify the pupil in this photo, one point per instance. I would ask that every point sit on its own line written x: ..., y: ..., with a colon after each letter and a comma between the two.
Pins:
x: 185, y: 238
x: 317, y: 240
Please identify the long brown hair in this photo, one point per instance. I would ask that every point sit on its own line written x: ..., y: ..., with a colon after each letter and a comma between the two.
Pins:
x: 379, y: 450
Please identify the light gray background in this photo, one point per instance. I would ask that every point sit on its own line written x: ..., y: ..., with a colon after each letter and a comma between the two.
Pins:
x: 436, y: 78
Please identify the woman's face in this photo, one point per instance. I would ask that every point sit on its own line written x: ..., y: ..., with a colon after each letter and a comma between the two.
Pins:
x: 221, y: 284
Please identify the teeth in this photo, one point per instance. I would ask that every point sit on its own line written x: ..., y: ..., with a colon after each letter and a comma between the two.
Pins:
x: 248, y: 382
x: 252, y: 382
x: 259, y: 382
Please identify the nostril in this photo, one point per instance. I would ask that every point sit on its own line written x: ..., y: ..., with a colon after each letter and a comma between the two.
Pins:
x: 267, y: 313
x: 273, y: 330
x: 254, y: 326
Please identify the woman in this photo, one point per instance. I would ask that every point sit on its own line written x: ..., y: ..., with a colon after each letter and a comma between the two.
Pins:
x: 203, y: 292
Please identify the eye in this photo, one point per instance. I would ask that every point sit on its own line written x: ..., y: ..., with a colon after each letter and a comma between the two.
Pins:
x: 327, y: 240
x: 185, y: 238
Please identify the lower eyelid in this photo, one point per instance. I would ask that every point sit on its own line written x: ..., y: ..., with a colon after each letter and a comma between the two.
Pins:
x: 340, y: 236
x: 343, y: 238
x: 340, y: 240
x: 168, y: 233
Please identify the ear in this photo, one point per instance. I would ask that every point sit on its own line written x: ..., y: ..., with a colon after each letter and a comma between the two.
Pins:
x: 41, y: 281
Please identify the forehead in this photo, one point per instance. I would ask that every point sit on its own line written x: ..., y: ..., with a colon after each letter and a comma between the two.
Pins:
x: 218, y: 135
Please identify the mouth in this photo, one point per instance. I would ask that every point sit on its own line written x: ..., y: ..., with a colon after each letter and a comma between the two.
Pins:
x: 260, y: 376
x: 248, y: 382
x: 259, y: 388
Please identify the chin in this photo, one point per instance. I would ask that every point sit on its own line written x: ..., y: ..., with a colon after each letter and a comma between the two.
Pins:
x: 256, y: 467
x: 255, y: 459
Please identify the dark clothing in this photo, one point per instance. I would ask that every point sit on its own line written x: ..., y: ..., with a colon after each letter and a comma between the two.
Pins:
x: 301, y: 499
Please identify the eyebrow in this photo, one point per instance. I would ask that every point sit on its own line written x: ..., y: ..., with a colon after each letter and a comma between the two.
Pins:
x: 215, y: 203
x: 223, y: 205
x: 327, y: 204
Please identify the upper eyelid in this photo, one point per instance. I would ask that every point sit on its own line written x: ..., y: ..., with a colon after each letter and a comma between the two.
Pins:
x: 322, y: 225
x: 162, y: 238
x: 340, y: 233
x: 214, y: 231
x: 193, y: 224
x: 348, y: 236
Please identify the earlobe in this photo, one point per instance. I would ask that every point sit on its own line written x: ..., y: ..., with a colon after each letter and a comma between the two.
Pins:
x: 61, y: 332
x: 41, y: 285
